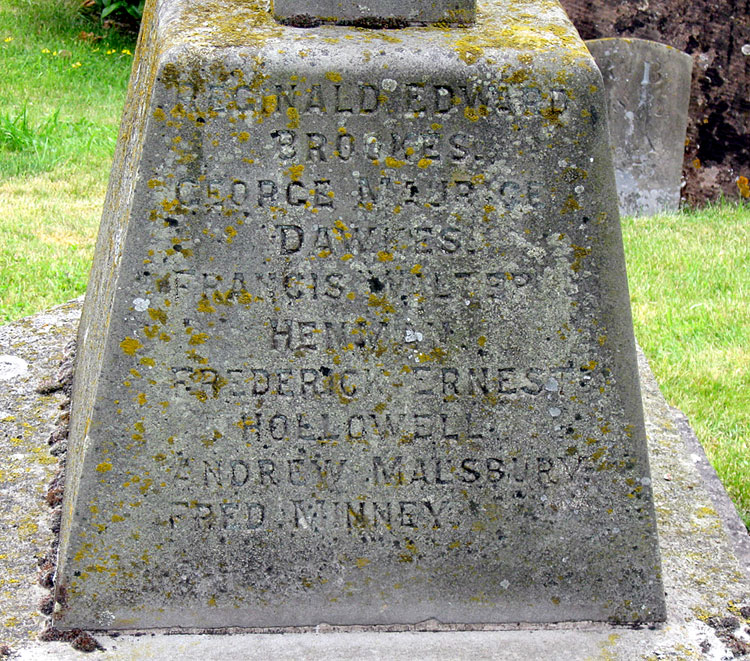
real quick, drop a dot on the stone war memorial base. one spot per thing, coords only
(703, 546)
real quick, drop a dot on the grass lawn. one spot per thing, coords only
(61, 95)
(62, 89)
(689, 279)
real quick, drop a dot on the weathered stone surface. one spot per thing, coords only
(411, 11)
(28, 413)
(648, 89)
(705, 585)
(356, 347)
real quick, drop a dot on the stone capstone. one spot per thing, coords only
(406, 11)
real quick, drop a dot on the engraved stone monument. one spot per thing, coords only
(357, 347)
(648, 90)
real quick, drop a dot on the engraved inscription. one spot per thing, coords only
(412, 100)
(342, 344)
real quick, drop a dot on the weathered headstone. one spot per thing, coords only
(648, 90)
(357, 345)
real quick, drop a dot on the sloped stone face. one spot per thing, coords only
(367, 356)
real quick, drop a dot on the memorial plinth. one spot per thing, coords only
(357, 345)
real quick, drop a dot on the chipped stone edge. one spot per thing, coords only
(725, 508)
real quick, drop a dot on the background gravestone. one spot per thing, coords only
(648, 88)
(717, 36)
(356, 347)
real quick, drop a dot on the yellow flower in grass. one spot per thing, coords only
(75, 65)
(8, 39)
(125, 51)
(46, 50)
(111, 50)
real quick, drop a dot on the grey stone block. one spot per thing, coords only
(409, 11)
(357, 347)
(648, 90)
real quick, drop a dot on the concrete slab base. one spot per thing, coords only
(703, 545)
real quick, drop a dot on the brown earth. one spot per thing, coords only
(716, 33)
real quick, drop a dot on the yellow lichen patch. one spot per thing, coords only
(471, 114)
(246, 298)
(393, 162)
(424, 163)
(230, 232)
(130, 345)
(159, 115)
(482, 340)
(437, 354)
(293, 115)
(170, 205)
(517, 77)
(243, 136)
(527, 37)
(380, 302)
(362, 562)
(104, 467)
(416, 269)
(196, 357)
(467, 51)
(158, 315)
(579, 253)
(295, 172)
(591, 365)
(571, 205)
(385, 256)
(198, 338)
(147, 361)
(333, 76)
(141, 398)
(204, 305)
(270, 103)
